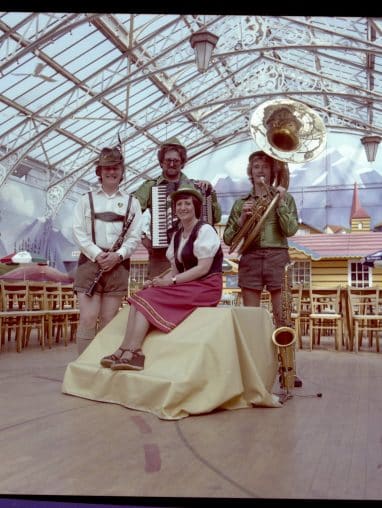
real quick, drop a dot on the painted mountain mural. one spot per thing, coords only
(42, 238)
(323, 190)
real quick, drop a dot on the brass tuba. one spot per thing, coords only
(287, 131)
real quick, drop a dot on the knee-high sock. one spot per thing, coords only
(84, 337)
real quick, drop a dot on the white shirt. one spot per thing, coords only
(206, 244)
(106, 233)
(146, 223)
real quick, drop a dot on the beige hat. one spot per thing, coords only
(110, 157)
(172, 142)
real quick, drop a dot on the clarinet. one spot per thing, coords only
(116, 246)
(91, 288)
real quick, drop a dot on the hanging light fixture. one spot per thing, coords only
(203, 43)
(371, 146)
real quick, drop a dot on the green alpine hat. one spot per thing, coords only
(188, 191)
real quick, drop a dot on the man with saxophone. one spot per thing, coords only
(172, 157)
(262, 221)
(107, 230)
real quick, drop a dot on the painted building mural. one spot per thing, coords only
(323, 190)
(23, 226)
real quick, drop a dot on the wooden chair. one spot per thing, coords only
(325, 317)
(71, 311)
(14, 305)
(296, 295)
(305, 312)
(35, 313)
(54, 314)
(266, 301)
(63, 312)
(365, 315)
(231, 298)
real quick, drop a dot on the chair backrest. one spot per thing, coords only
(14, 295)
(69, 297)
(364, 301)
(325, 300)
(296, 296)
(36, 299)
(53, 295)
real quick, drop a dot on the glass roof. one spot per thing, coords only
(72, 83)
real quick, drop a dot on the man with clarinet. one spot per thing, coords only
(107, 230)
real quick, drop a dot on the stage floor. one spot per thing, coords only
(313, 447)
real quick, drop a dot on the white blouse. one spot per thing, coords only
(206, 244)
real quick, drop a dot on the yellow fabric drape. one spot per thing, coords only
(217, 358)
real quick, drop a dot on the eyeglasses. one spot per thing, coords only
(172, 161)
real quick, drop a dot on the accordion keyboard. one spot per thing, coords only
(159, 216)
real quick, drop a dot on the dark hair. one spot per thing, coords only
(179, 148)
(195, 200)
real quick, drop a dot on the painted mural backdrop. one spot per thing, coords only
(323, 188)
(323, 191)
(24, 226)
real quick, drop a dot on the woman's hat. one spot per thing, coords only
(187, 190)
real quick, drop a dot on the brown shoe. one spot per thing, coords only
(107, 361)
(136, 362)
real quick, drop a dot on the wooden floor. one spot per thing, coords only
(327, 447)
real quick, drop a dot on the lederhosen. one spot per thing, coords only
(106, 217)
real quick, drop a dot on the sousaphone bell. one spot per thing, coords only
(288, 130)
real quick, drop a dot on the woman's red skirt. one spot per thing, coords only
(166, 307)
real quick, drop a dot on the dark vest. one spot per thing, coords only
(188, 258)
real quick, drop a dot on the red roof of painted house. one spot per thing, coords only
(347, 245)
(316, 246)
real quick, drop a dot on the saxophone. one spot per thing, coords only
(284, 337)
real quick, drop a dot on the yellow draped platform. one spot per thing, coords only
(217, 358)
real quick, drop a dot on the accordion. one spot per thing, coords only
(163, 221)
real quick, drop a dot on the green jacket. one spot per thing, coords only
(281, 223)
(143, 194)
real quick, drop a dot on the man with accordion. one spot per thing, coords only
(154, 197)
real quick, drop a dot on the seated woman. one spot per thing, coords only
(194, 280)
